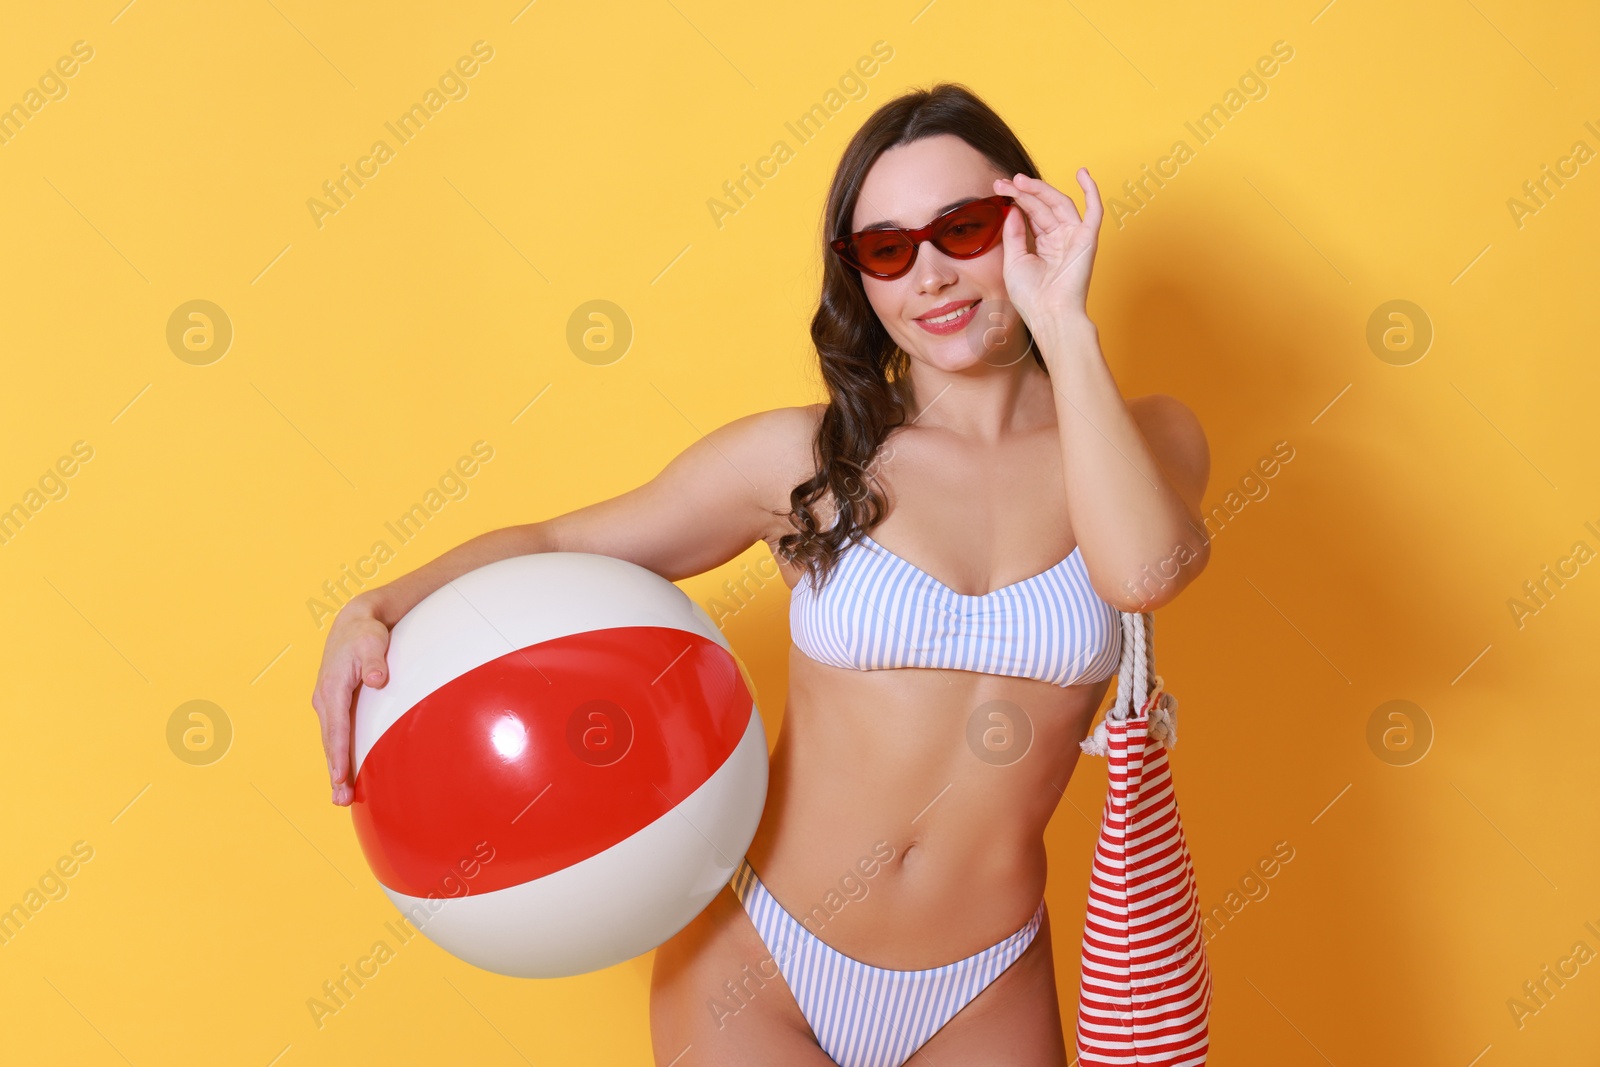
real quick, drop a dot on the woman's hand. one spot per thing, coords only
(353, 656)
(1049, 285)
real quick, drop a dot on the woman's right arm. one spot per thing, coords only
(709, 504)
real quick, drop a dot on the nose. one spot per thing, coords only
(933, 269)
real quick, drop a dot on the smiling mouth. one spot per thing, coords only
(951, 322)
(950, 316)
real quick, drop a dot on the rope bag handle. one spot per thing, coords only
(1138, 686)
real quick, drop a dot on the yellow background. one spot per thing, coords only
(369, 353)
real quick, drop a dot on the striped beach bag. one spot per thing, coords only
(1145, 985)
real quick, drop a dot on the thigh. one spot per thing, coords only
(716, 997)
(1015, 1021)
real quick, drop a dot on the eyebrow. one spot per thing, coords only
(936, 214)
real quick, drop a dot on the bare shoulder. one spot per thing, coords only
(1177, 440)
(782, 444)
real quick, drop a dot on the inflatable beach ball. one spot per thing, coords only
(566, 765)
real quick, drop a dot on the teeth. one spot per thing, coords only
(956, 314)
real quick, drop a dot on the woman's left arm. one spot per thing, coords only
(1135, 471)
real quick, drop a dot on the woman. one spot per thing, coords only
(891, 902)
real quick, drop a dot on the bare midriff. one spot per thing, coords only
(874, 771)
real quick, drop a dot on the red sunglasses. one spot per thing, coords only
(964, 232)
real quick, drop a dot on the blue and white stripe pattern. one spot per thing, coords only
(866, 1016)
(877, 611)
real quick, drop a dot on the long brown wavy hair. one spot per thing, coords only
(866, 373)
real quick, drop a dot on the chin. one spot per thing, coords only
(954, 355)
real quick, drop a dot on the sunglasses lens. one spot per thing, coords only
(881, 252)
(968, 231)
(964, 233)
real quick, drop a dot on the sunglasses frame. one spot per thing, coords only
(844, 246)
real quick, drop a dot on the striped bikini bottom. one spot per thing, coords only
(866, 1016)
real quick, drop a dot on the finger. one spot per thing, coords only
(341, 792)
(340, 703)
(1014, 237)
(334, 743)
(1059, 203)
(374, 670)
(1094, 210)
(319, 702)
(1040, 214)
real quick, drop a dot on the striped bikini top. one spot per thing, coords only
(878, 611)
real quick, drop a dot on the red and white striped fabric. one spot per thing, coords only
(1145, 986)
